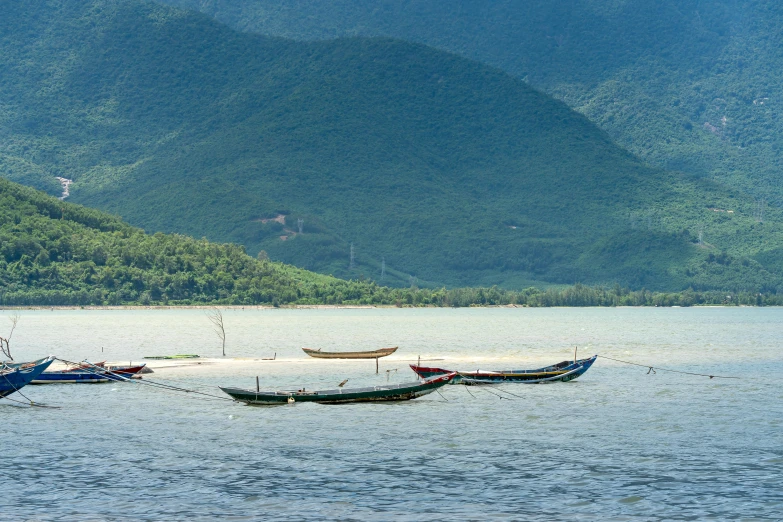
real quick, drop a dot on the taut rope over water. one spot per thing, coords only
(654, 368)
(86, 366)
(30, 401)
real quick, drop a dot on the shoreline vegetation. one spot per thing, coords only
(54, 253)
(384, 297)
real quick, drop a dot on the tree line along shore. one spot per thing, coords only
(54, 253)
(358, 294)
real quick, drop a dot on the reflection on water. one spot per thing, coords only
(616, 443)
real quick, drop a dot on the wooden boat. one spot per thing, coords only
(14, 376)
(87, 373)
(116, 373)
(560, 372)
(71, 377)
(391, 392)
(370, 354)
(129, 372)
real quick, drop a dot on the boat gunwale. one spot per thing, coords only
(575, 368)
(414, 389)
(363, 354)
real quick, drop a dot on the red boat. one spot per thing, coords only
(129, 372)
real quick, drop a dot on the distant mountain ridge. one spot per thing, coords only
(684, 84)
(439, 169)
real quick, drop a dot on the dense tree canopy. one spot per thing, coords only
(56, 253)
(443, 170)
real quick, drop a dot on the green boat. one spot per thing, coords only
(181, 356)
(391, 392)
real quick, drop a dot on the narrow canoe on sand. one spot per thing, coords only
(370, 354)
(560, 372)
(390, 392)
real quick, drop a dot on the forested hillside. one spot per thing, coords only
(685, 84)
(54, 253)
(432, 168)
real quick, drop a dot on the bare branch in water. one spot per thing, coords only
(5, 346)
(215, 317)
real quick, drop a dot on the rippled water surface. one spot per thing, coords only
(618, 443)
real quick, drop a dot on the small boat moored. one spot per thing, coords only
(15, 376)
(560, 372)
(392, 392)
(88, 373)
(115, 372)
(71, 377)
(369, 354)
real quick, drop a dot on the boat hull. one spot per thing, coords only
(15, 376)
(395, 392)
(126, 372)
(114, 373)
(561, 372)
(371, 354)
(71, 377)
(87, 373)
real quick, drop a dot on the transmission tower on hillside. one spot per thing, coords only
(758, 213)
(352, 264)
(383, 268)
(300, 224)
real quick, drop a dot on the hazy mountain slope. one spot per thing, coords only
(685, 84)
(55, 253)
(449, 170)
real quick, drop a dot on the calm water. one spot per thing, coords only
(615, 444)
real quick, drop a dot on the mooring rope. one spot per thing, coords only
(146, 382)
(16, 389)
(652, 369)
(18, 402)
(493, 393)
(31, 402)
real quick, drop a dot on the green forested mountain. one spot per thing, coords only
(440, 169)
(685, 84)
(56, 253)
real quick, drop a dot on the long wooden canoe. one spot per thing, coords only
(561, 372)
(389, 392)
(370, 354)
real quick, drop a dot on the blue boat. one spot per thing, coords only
(15, 376)
(72, 377)
(89, 373)
(561, 372)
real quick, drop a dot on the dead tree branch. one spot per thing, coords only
(5, 342)
(215, 317)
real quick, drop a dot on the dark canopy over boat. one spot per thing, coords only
(370, 354)
(560, 372)
(391, 392)
(14, 376)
